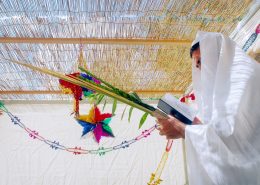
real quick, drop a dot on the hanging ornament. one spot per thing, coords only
(251, 39)
(155, 178)
(69, 88)
(77, 91)
(188, 97)
(81, 62)
(97, 123)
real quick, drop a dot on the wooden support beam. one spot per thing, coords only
(59, 92)
(30, 92)
(94, 41)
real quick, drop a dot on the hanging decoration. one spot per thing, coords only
(90, 122)
(96, 122)
(251, 39)
(75, 150)
(188, 97)
(155, 178)
(78, 91)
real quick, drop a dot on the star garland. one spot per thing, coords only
(75, 150)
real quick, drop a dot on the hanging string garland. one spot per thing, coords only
(251, 39)
(155, 178)
(75, 150)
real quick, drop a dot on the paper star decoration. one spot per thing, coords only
(96, 122)
(77, 91)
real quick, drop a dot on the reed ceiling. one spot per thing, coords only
(151, 69)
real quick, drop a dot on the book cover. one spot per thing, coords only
(172, 106)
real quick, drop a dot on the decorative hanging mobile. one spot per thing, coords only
(94, 121)
(91, 121)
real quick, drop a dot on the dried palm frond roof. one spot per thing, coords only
(140, 46)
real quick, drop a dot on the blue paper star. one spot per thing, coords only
(87, 127)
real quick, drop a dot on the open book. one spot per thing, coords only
(172, 106)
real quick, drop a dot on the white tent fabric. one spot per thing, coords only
(32, 162)
(225, 149)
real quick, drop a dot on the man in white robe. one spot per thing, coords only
(225, 148)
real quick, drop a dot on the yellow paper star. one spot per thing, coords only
(90, 117)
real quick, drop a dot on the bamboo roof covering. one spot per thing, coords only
(136, 45)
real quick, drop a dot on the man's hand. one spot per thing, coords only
(171, 128)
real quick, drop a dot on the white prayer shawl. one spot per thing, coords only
(225, 149)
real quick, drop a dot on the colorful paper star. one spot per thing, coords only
(77, 91)
(96, 122)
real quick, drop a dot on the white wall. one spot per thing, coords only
(25, 161)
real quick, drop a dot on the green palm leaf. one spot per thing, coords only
(114, 106)
(123, 112)
(100, 98)
(144, 117)
(130, 113)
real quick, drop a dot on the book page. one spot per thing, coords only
(184, 109)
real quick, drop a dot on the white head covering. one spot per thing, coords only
(203, 80)
(226, 149)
